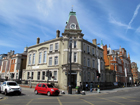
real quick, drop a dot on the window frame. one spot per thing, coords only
(51, 47)
(30, 57)
(50, 60)
(44, 56)
(56, 46)
(40, 58)
(56, 60)
(33, 59)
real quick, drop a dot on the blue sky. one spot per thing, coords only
(116, 22)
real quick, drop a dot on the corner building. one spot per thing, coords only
(54, 55)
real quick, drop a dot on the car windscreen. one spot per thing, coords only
(12, 84)
(50, 86)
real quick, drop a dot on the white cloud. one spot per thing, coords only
(138, 30)
(7, 44)
(118, 23)
(134, 15)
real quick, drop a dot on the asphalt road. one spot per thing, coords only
(121, 97)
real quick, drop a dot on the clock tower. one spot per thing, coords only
(72, 22)
(72, 34)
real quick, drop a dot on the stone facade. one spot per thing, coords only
(54, 56)
(12, 65)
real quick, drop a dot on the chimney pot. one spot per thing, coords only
(38, 40)
(57, 34)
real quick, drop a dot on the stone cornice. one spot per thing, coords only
(47, 42)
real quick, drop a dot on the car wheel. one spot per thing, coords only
(19, 93)
(5, 92)
(36, 92)
(49, 94)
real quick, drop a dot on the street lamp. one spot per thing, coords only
(98, 74)
(70, 88)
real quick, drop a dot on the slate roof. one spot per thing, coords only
(72, 19)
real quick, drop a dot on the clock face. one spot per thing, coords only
(73, 26)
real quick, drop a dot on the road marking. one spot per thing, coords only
(29, 102)
(110, 100)
(59, 101)
(87, 102)
(4, 98)
(130, 99)
(44, 98)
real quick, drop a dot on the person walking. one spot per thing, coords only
(86, 86)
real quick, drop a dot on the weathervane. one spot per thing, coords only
(72, 8)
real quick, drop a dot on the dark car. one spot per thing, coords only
(45, 88)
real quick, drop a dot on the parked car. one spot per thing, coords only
(45, 88)
(10, 87)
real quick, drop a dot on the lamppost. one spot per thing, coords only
(70, 88)
(98, 74)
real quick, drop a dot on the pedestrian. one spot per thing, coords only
(86, 86)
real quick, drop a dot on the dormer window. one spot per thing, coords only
(72, 26)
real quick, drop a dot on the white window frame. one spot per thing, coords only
(44, 56)
(51, 47)
(56, 46)
(33, 61)
(55, 76)
(30, 56)
(56, 60)
(50, 62)
(40, 57)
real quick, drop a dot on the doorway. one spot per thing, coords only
(73, 80)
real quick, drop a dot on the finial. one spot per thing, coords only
(109, 45)
(101, 42)
(72, 8)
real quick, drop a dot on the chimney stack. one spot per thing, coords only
(94, 41)
(38, 40)
(57, 34)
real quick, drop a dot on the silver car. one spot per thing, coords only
(10, 87)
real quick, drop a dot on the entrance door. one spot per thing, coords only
(73, 80)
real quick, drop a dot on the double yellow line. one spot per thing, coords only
(4, 99)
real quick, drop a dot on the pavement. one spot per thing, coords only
(101, 91)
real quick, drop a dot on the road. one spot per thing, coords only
(121, 97)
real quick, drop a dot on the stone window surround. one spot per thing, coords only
(42, 55)
(53, 56)
(31, 52)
